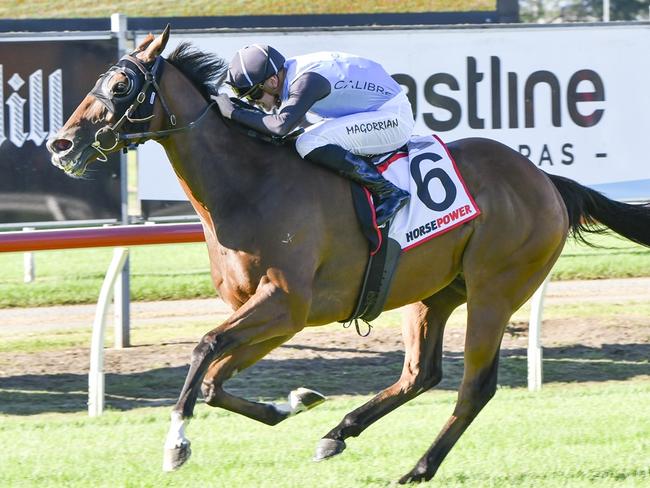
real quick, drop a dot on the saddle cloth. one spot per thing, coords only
(439, 201)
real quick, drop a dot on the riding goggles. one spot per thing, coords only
(253, 93)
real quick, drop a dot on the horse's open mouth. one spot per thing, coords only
(76, 166)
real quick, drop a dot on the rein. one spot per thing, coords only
(108, 137)
(136, 138)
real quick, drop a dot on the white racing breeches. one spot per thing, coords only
(364, 133)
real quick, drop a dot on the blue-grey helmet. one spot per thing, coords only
(251, 67)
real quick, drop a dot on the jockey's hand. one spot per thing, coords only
(225, 105)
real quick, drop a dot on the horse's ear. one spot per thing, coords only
(144, 44)
(156, 46)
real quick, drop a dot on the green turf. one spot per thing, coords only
(162, 8)
(182, 271)
(75, 276)
(595, 435)
(616, 258)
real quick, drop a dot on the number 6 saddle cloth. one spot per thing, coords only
(439, 201)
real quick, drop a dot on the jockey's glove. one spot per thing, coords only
(225, 105)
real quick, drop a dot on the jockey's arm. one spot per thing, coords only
(306, 90)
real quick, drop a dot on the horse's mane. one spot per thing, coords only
(205, 70)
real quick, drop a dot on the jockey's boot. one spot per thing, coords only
(361, 171)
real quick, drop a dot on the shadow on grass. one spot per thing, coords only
(271, 379)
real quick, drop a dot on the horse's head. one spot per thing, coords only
(122, 97)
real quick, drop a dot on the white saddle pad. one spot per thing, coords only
(439, 198)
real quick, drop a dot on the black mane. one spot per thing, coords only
(205, 70)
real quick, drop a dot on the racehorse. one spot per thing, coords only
(287, 253)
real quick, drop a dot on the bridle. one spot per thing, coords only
(129, 100)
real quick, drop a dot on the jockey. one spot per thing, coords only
(363, 111)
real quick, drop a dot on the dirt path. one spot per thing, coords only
(330, 358)
(17, 320)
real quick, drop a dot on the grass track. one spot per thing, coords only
(567, 435)
(162, 8)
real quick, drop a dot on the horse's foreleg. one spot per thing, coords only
(422, 329)
(268, 413)
(269, 313)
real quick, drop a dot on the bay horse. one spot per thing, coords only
(287, 253)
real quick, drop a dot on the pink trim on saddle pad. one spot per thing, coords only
(371, 204)
(381, 168)
(395, 157)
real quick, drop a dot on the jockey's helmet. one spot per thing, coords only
(251, 67)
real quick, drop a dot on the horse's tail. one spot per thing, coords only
(590, 210)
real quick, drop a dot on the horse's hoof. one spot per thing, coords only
(174, 458)
(303, 399)
(327, 448)
(413, 477)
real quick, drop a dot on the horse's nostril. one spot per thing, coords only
(61, 145)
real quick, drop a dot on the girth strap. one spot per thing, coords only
(376, 283)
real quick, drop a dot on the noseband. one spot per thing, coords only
(130, 100)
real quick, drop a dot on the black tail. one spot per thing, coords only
(590, 210)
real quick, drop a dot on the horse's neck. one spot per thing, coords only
(225, 174)
(223, 171)
(200, 156)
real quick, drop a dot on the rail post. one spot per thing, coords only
(122, 291)
(28, 262)
(534, 338)
(96, 372)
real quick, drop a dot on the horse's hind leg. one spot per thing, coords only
(422, 329)
(494, 292)
(484, 332)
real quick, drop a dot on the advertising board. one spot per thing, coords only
(42, 80)
(573, 99)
